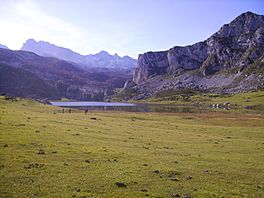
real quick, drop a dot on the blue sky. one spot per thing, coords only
(126, 27)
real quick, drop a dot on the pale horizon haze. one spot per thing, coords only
(125, 27)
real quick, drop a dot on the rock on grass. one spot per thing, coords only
(41, 152)
(175, 194)
(174, 179)
(121, 184)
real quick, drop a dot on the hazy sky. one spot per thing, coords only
(127, 27)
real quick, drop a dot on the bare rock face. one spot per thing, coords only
(150, 64)
(188, 58)
(236, 46)
(129, 84)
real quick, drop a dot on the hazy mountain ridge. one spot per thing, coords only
(102, 59)
(67, 79)
(3, 46)
(231, 60)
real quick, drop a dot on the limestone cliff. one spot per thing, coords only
(235, 46)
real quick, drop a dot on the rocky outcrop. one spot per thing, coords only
(236, 46)
(129, 84)
(150, 64)
(187, 58)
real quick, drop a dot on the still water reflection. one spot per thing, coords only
(131, 107)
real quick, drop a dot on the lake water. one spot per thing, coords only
(132, 107)
(93, 104)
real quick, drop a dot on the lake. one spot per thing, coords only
(131, 107)
(92, 104)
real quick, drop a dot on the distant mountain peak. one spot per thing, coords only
(3, 46)
(103, 53)
(102, 59)
(31, 41)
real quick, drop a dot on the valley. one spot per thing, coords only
(186, 121)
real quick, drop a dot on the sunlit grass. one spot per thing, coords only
(244, 102)
(155, 154)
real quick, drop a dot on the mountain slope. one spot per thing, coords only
(68, 79)
(217, 64)
(19, 82)
(101, 59)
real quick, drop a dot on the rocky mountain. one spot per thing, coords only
(3, 46)
(102, 59)
(231, 60)
(29, 75)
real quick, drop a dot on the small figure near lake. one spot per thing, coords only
(62, 110)
(86, 111)
(69, 110)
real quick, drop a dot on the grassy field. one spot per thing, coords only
(253, 101)
(45, 153)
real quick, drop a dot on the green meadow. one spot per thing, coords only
(47, 153)
(254, 100)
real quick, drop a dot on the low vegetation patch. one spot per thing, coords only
(242, 102)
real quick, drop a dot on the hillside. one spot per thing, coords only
(19, 82)
(68, 79)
